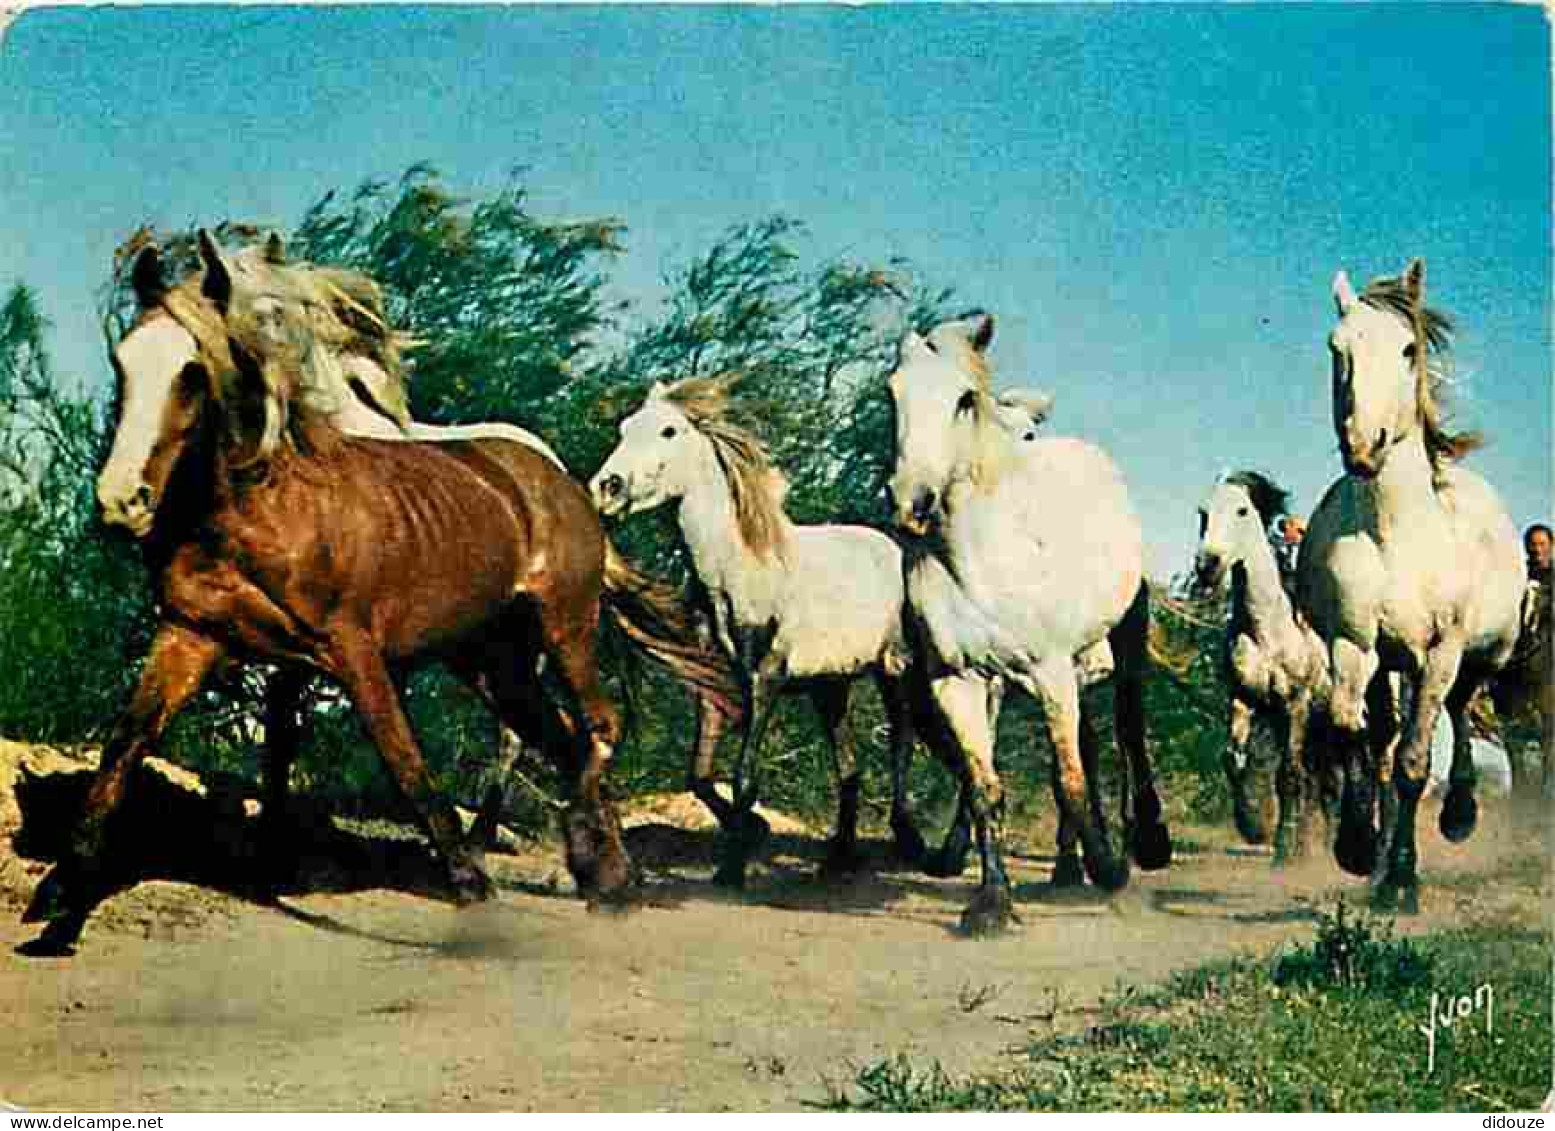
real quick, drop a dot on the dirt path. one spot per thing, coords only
(182, 999)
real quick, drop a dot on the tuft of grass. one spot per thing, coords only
(1359, 954)
(1331, 1026)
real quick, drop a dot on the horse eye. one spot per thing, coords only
(967, 402)
(1409, 351)
(1241, 512)
(1203, 521)
(669, 432)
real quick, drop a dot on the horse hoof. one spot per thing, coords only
(1250, 827)
(1460, 813)
(1068, 872)
(991, 912)
(1110, 873)
(907, 842)
(471, 886)
(1355, 850)
(1152, 847)
(45, 947)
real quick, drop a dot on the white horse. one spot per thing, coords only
(1032, 555)
(1276, 666)
(812, 607)
(1411, 565)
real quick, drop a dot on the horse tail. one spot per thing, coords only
(657, 620)
(1131, 639)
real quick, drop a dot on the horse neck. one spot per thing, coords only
(1404, 486)
(994, 451)
(723, 560)
(1261, 599)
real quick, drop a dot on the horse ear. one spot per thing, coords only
(217, 285)
(1344, 293)
(275, 250)
(148, 277)
(981, 332)
(1414, 281)
(657, 390)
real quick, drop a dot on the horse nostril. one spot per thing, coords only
(143, 496)
(923, 504)
(612, 485)
(1382, 438)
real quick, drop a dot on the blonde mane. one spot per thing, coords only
(297, 325)
(756, 486)
(1433, 342)
(300, 325)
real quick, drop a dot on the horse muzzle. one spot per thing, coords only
(919, 514)
(1208, 571)
(134, 510)
(1363, 458)
(609, 493)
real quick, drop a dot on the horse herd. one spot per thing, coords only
(291, 512)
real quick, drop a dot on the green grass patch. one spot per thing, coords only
(1334, 1025)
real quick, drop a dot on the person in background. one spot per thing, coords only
(1538, 544)
(1289, 530)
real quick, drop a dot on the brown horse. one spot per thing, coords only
(274, 537)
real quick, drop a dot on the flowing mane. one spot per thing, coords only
(758, 488)
(1433, 332)
(332, 320)
(1269, 498)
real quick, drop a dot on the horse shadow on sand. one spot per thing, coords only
(165, 831)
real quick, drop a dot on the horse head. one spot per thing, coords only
(655, 460)
(1234, 525)
(1388, 372)
(940, 388)
(175, 364)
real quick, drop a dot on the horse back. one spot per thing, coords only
(415, 545)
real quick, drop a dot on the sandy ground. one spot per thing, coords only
(387, 998)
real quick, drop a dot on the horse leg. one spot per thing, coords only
(596, 849)
(1068, 871)
(1460, 811)
(1400, 886)
(831, 698)
(907, 840)
(1292, 840)
(963, 703)
(483, 830)
(711, 723)
(747, 830)
(283, 737)
(1249, 811)
(1355, 848)
(1149, 840)
(949, 860)
(1055, 684)
(177, 665)
(372, 691)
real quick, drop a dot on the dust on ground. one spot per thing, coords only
(378, 995)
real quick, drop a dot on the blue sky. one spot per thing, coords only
(1151, 199)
